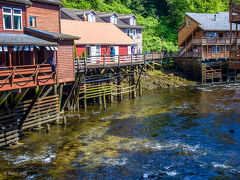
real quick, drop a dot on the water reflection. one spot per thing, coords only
(190, 133)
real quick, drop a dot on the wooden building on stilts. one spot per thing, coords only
(206, 42)
(35, 57)
(40, 75)
(234, 59)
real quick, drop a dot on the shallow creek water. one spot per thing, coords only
(187, 133)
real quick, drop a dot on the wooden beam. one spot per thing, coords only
(4, 97)
(46, 93)
(19, 98)
(69, 95)
(10, 57)
(34, 100)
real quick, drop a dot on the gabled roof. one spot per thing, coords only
(104, 14)
(50, 35)
(72, 13)
(57, 2)
(23, 40)
(207, 22)
(126, 16)
(18, 1)
(77, 15)
(94, 33)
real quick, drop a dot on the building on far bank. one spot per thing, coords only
(206, 42)
(126, 23)
(206, 36)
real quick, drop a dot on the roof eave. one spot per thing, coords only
(12, 2)
(53, 3)
(109, 44)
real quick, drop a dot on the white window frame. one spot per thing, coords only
(188, 23)
(17, 15)
(113, 19)
(11, 14)
(127, 32)
(132, 21)
(91, 17)
(99, 49)
(134, 34)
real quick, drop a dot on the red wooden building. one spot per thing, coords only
(33, 52)
(97, 38)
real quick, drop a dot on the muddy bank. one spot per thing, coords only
(158, 79)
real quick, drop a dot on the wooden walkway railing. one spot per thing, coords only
(13, 77)
(90, 62)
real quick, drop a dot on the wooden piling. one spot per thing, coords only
(85, 97)
(47, 128)
(64, 121)
(140, 87)
(119, 95)
(104, 100)
(133, 87)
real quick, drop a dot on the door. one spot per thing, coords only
(93, 54)
(129, 49)
(116, 52)
(88, 51)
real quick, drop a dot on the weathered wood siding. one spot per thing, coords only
(22, 7)
(186, 31)
(65, 61)
(123, 49)
(47, 16)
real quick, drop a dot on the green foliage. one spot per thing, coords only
(160, 18)
(75, 51)
(83, 54)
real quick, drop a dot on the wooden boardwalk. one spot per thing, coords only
(105, 61)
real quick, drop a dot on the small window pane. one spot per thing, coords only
(17, 23)
(7, 21)
(128, 32)
(33, 21)
(15, 11)
(5, 10)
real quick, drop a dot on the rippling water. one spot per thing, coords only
(189, 133)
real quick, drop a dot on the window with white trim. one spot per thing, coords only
(7, 18)
(128, 32)
(12, 18)
(91, 17)
(17, 19)
(113, 19)
(98, 50)
(134, 33)
(132, 21)
(189, 23)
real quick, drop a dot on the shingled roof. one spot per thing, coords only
(23, 39)
(57, 2)
(17, 1)
(94, 33)
(210, 23)
(50, 35)
(75, 14)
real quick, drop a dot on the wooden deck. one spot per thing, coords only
(15, 77)
(104, 61)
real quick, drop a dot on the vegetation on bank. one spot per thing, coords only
(158, 79)
(161, 19)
